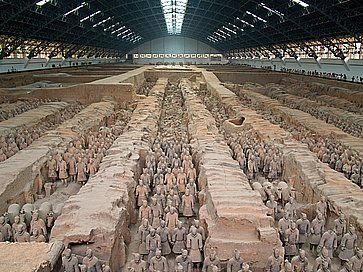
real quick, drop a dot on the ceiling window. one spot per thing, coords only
(174, 12)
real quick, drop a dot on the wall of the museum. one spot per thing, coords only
(326, 65)
(13, 65)
(170, 49)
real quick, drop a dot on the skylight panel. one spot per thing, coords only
(103, 21)
(90, 16)
(117, 30)
(245, 22)
(256, 17)
(230, 30)
(301, 3)
(174, 12)
(75, 9)
(42, 3)
(274, 11)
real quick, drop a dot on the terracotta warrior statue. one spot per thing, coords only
(91, 262)
(235, 264)
(63, 174)
(165, 238)
(348, 245)
(179, 238)
(275, 262)
(329, 241)
(69, 261)
(137, 264)
(184, 261)
(158, 263)
(300, 263)
(187, 206)
(195, 246)
(153, 242)
(210, 261)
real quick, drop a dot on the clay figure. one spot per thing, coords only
(329, 241)
(91, 262)
(235, 264)
(69, 261)
(158, 263)
(184, 261)
(275, 262)
(153, 242)
(348, 245)
(165, 238)
(210, 261)
(137, 264)
(300, 263)
(179, 238)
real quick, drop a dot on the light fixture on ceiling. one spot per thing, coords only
(174, 12)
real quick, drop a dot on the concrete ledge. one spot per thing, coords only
(45, 112)
(31, 257)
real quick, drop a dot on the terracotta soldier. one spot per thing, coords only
(329, 241)
(179, 238)
(145, 211)
(187, 204)
(156, 213)
(340, 227)
(171, 219)
(141, 193)
(303, 225)
(145, 177)
(199, 228)
(181, 180)
(291, 241)
(2, 155)
(158, 263)
(91, 167)
(275, 262)
(211, 260)
(143, 232)
(160, 197)
(81, 171)
(22, 235)
(300, 263)
(63, 174)
(69, 261)
(137, 264)
(91, 262)
(195, 246)
(271, 204)
(357, 260)
(290, 208)
(283, 225)
(5, 229)
(37, 237)
(52, 168)
(185, 261)
(316, 231)
(235, 264)
(191, 173)
(323, 260)
(38, 223)
(169, 179)
(348, 245)
(16, 226)
(192, 188)
(153, 242)
(165, 238)
(72, 168)
(322, 206)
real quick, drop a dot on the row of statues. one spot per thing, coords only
(83, 156)
(280, 198)
(146, 86)
(89, 263)
(9, 110)
(13, 142)
(328, 149)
